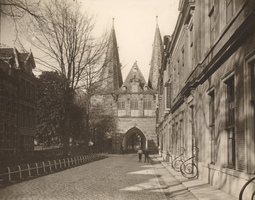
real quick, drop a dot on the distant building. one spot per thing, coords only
(18, 101)
(206, 100)
(132, 102)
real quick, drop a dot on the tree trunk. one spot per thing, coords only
(66, 133)
(68, 100)
(86, 132)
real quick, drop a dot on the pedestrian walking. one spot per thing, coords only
(140, 152)
(146, 155)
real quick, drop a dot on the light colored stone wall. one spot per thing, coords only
(215, 63)
(146, 125)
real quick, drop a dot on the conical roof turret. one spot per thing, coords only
(156, 57)
(111, 73)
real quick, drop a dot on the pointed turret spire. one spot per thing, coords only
(111, 74)
(155, 58)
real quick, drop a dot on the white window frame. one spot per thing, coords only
(224, 135)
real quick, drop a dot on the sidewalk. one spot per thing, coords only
(199, 188)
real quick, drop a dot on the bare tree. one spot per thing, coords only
(17, 9)
(65, 37)
(12, 12)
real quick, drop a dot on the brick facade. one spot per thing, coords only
(18, 105)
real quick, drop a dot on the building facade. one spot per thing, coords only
(206, 94)
(18, 102)
(133, 102)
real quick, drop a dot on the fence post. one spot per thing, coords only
(44, 167)
(64, 163)
(36, 165)
(50, 166)
(29, 172)
(60, 166)
(68, 162)
(55, 163)
(20, 175)
(9, 173)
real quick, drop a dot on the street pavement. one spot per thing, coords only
(118, 177)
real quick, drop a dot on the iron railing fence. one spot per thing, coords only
(24, 171)
(243, 188)
(177, 162)
(190, 169)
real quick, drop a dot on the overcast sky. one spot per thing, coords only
(134, 22)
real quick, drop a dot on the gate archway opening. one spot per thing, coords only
(133, 139)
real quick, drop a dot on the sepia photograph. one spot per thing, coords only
(127, 99)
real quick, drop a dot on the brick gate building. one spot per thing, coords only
(133, 102)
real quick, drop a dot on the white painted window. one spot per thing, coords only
(121, 113)
(148, 113)
(134, 113)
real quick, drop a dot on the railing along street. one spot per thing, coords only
(20, 172)
(243, 188)
(190, 169)
(177, 162)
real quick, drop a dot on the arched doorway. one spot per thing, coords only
(133, 139)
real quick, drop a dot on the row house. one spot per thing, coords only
(18, 102)
(206, 91)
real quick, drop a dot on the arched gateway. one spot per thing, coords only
(133, 139)
(132, 102)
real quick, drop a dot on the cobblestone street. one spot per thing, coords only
(117, 177)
